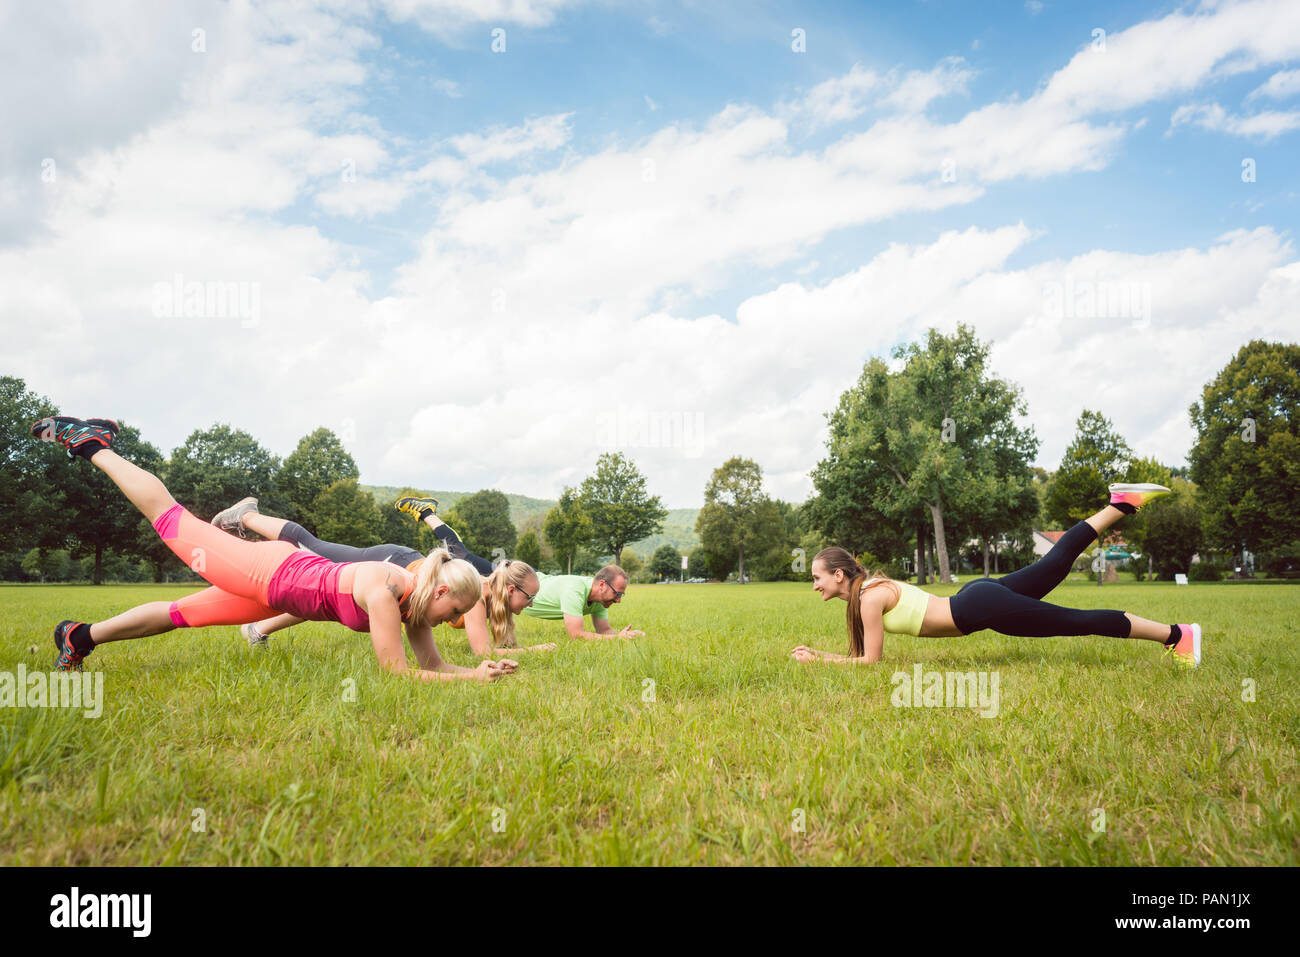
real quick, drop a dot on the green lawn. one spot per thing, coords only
(566, 763)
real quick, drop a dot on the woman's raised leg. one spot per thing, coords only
(1036, 580)
(145, 490)
(268, 526)
(1042, 576)
(454, 545)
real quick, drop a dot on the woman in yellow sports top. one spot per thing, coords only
(1010, 605)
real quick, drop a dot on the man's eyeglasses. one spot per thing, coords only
(617, 594)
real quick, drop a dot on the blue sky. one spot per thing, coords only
(648, 227)
(602, 62)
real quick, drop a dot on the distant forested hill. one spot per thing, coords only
(679, 531)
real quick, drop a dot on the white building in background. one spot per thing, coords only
(1043, 542)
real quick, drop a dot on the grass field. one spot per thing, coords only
(209, 753)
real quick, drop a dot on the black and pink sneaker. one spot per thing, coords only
(69, 658)
(81, 437)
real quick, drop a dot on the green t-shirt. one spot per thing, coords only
(560, 595)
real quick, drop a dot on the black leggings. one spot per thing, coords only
(458, 550)
(1011, 604)
(397, 554)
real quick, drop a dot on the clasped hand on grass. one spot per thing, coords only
(489, 670)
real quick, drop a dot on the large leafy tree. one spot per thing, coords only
(483, 522)
(614, 497)
(1097, 456)
(217, 467)
(1246, 460)
(914, 445)
(1171, 529)
(845, 509)
(97, 517)
(567, 528)
(737, 514)
(398, 528)
(317, 463)
(348, 514)
(63, 505)
(529, 549)
(666, 561)
(773, 553)
(994, 505)
(1135, 528)
(27, 504)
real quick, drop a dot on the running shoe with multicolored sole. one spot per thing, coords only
(416, 507)
(78, 436)
(69, 659)
(1136, 495)
(1186, 651)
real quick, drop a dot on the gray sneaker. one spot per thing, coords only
(255, 638)
(229, 520)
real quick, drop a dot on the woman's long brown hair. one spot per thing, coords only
(835, 559)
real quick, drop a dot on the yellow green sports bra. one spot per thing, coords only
(904, 618)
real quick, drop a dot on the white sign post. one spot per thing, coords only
(683, 568)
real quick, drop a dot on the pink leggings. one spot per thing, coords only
(240, 571)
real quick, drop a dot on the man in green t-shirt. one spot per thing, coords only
(572, 596)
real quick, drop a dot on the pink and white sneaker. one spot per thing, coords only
(1187, 650)
(1135, 495)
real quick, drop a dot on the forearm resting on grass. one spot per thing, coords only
(573, 625)
(812, 654)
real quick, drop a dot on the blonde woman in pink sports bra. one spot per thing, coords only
(255, 580)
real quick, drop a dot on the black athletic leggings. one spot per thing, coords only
(458, 550)
(1011, 604)
(397, 554)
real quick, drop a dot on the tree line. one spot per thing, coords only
(929, 453)
(66, 521)
(926, 470)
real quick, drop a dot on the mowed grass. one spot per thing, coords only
(566, 762)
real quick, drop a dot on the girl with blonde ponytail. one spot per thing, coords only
(440, 569)
(490, 624)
